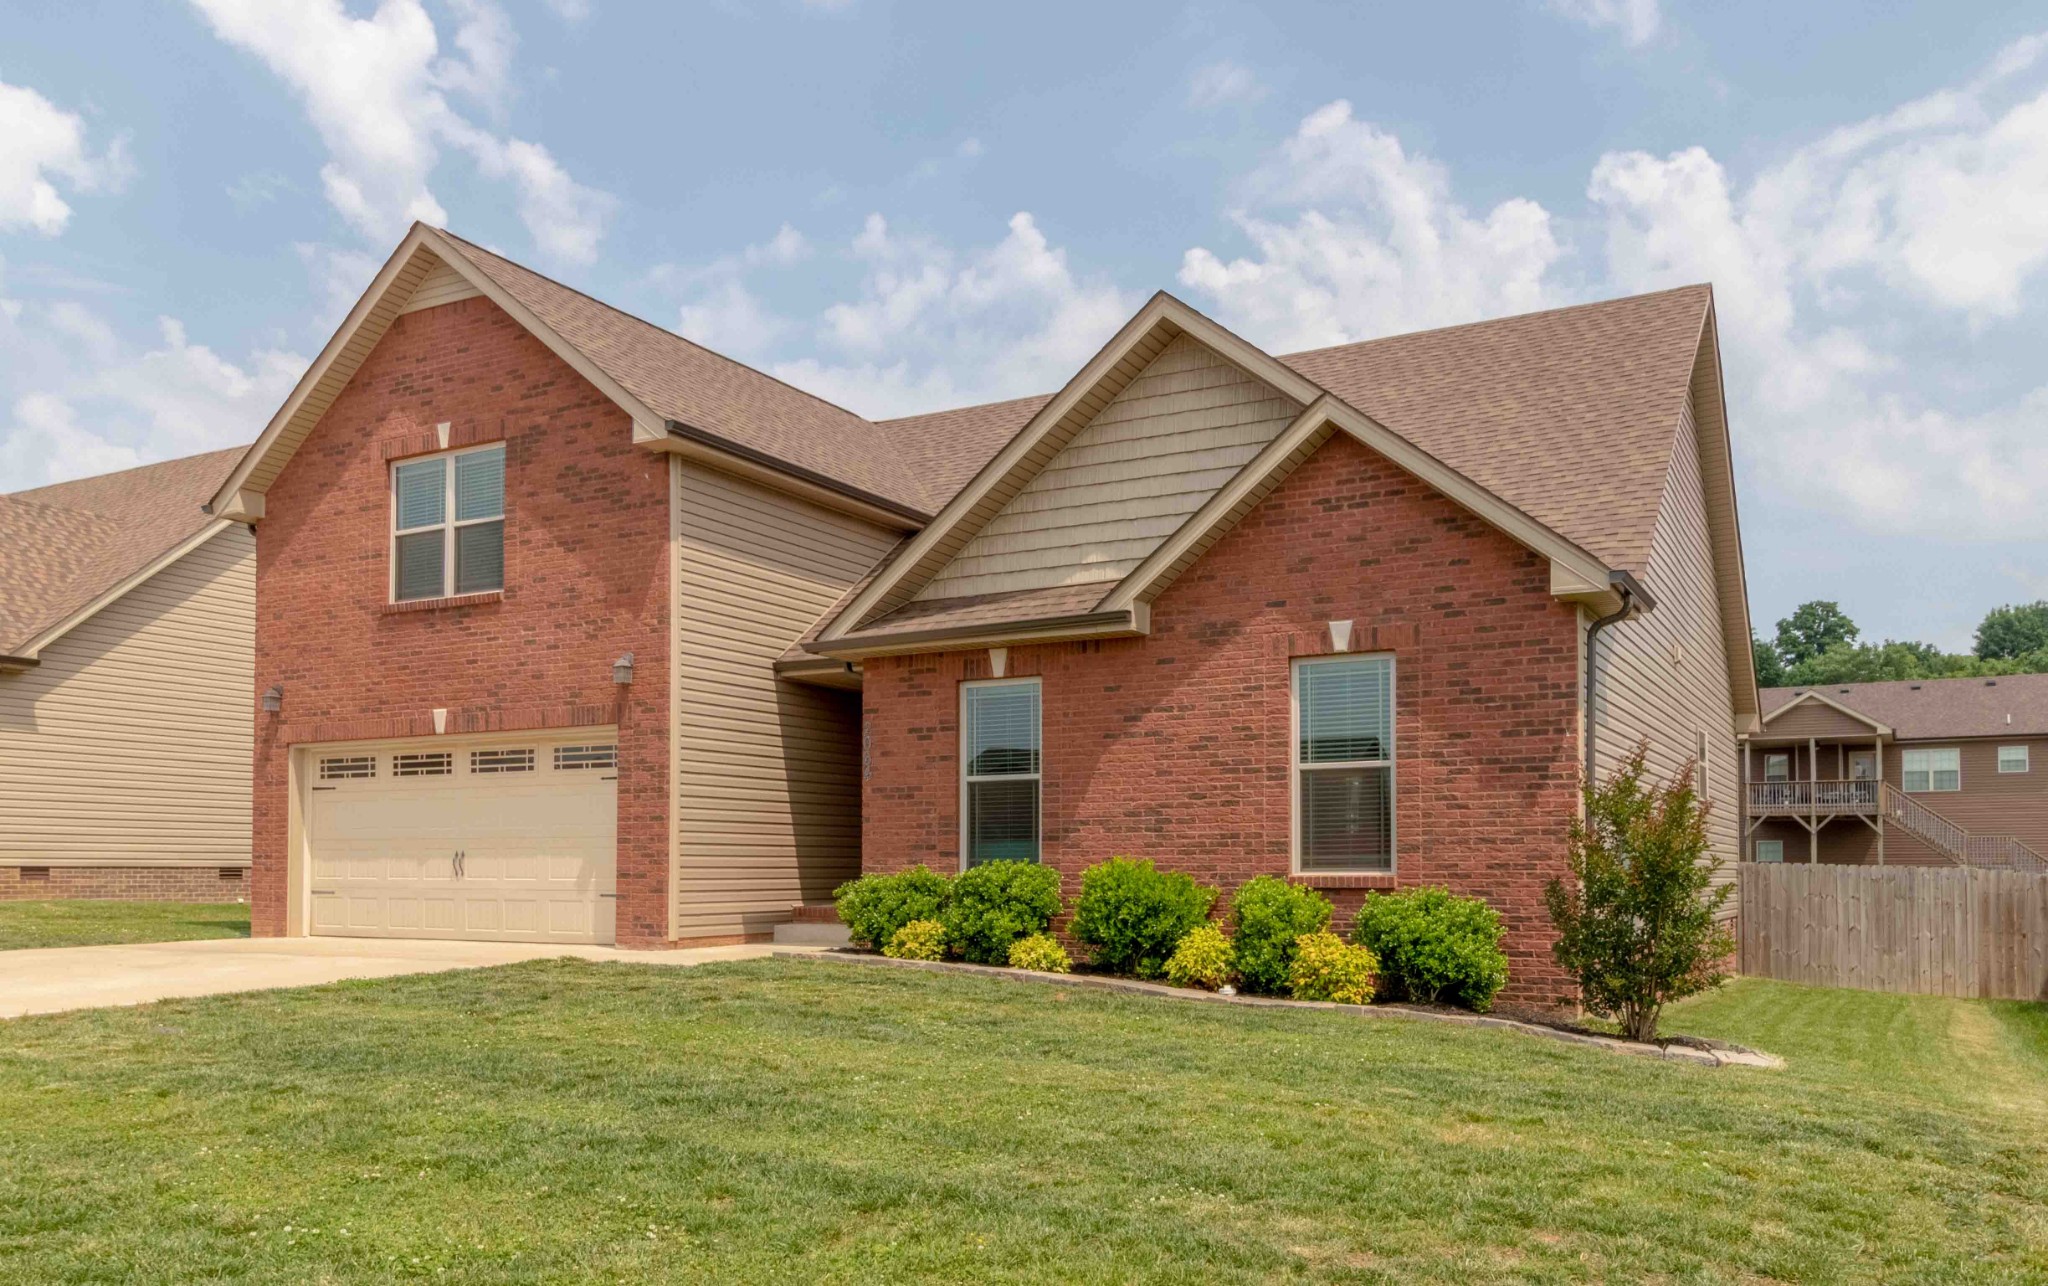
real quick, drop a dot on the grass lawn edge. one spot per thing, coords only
(1675, 1053)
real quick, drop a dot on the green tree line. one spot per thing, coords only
(1818, 644)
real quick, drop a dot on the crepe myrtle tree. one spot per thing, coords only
(1639, 922)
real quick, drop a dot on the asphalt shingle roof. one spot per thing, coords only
(63, 546)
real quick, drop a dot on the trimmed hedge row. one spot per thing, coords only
(1425, 944)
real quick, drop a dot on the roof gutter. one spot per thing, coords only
(1634, 601)
(8, 663)
(761, 459)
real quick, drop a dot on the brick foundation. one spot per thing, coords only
(1175, 746)
(586, 579)
(124, 883)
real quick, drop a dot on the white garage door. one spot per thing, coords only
(510, 840)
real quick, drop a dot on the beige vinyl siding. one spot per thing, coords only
(1175, 434)
(441, 285)
(767, 770)
(131, 743)
(1663, 677)
(1815, 719)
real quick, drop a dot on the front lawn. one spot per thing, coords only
(82, 923)
(802, 1121)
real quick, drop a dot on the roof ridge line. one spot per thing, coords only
(1505, 317)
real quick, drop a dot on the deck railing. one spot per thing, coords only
(1813, 796)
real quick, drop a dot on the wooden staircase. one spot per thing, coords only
(2004, 852)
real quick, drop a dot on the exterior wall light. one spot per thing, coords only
(273, 698)
(622, 669)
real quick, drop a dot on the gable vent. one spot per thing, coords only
(345, 767)
(434, 763)
(501, 761)
(577, 758)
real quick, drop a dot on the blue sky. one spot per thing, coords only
(907, 206)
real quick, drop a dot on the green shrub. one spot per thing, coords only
(918, 940)
(1434, 947)
(1270, 914)
(1203, 959)
(995, 904)
(1639, 924)
(1328, 968)
(1134, 914)
(873, 907)
(1040, 952)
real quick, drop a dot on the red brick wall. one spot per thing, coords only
(124, 883)
(586, 539)
(1174, 746)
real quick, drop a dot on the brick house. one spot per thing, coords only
(574, 629)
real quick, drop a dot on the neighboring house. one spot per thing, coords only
(578, 631)
(1921, 772)
(127, 641)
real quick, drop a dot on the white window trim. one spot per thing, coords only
(1777, 754)
(1932, 789)
(967, 779)
(1294, 765)
(447, 525)
(2026, 760)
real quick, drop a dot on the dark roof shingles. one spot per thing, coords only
(1917, 709)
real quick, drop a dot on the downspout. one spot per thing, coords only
(1632, 596)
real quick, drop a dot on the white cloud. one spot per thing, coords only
(40, 145)
(378, 90)
(932, 327)
(1354, 237)
(721, 312)
(1224, 82)
(1833, 269)
(81, 401)
(571, 10)
(1637, 21)
(339, 279)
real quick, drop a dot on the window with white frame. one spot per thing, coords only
(2012, 759)
(1932, 770)
(1706, 787)
(999, 771)
(1344, 764)
(1777, 767)
(1770, 850)
(448, 524)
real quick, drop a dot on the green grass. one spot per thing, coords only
(81, 923)
(790, 1121)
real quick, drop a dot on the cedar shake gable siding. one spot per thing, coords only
(586, 579)
(1175, 746)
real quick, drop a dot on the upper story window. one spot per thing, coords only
(1932, 770)
(448, 524)
(2012, 759)
(1344, 764)
(999, 771)
(1777, 767)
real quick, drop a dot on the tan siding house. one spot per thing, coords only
(126, 695)
(1930, 772)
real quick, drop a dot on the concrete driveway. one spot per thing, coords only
(55, 979)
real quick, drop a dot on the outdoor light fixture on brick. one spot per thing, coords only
(273, 698)
(622, 669)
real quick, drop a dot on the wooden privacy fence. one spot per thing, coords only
(1938, 931)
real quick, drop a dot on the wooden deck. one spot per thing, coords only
(1803, 798)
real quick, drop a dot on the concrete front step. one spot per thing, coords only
(802, 934)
